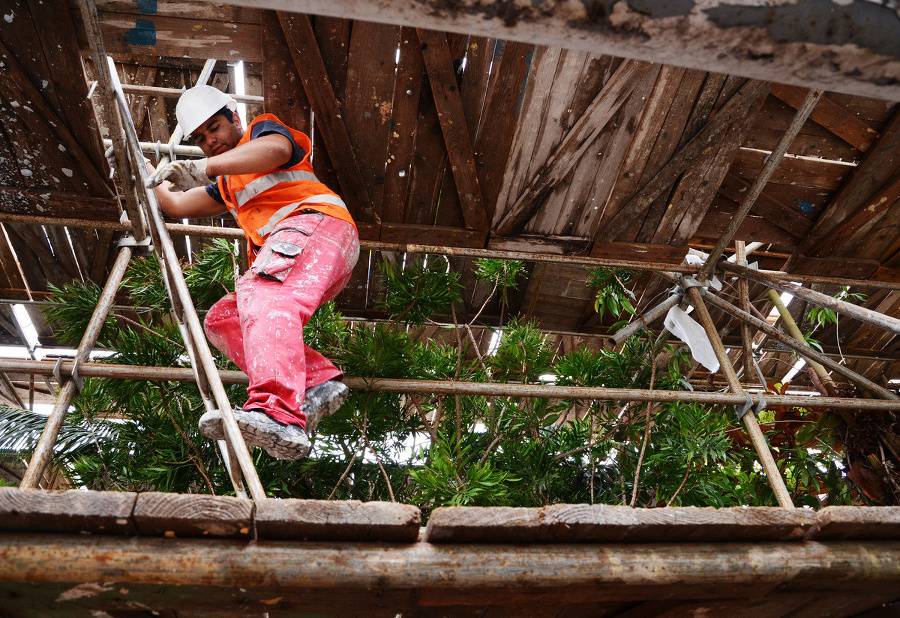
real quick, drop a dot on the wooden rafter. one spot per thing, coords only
(16, 86)
(436, 54)
(311, 68)
(771, 206)
(283, 92)
(831, 116)
(501, 111)
(872, 174)
(862, 219)
(368, 100)
(735, 109)
(58, 203)
(614, 93)
(696, 189)
(407, 90)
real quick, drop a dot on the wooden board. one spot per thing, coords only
(317, 85)
(193, 515)
(323, 520)
(439, 65)
(176, 33)
(75, 511)
(431, 235)
(282, 89)
(856, 523)
(807, 172)
(584, 523)
(512, 62)
(574, 141)
(407, 87)
(368, 98)
(831, 116)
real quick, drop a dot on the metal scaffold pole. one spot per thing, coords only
(205, 370)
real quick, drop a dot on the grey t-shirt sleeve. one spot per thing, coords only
(265, 127)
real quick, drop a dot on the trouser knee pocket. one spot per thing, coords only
(279, 255)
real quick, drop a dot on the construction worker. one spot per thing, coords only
(303, 246)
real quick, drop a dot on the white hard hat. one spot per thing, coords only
(198, 104)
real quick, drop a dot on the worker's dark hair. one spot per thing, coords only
(226, 113)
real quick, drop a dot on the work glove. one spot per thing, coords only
(111, 159)
(184, 174)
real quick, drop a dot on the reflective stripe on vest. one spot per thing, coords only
(263, 183)
(284, 211)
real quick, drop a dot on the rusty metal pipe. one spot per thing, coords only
(772, 162)
(446, 387)
(98, 55)
(800, 347)
(749, 419)
(817, 298)
(525, 256)
(646, 319)
(743, 287)
(174, 93)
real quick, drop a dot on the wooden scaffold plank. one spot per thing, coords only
(350, 520)
(597, 523)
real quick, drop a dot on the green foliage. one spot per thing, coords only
(327, 331)
(212, 274)
(419, 291)
(20, 430)
(820, 316)
(140, 435)
(145, 285)
(70, 311)
(500, 274)
(612, 295)
(523, 355)
(456, 477)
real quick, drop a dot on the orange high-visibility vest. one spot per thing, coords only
(260, 201)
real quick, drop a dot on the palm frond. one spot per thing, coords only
(21, 429)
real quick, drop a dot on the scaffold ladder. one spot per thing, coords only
(143, 210)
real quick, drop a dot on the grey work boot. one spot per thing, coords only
(323, 400)
(259, 429)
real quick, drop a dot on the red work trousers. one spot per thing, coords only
(306, 261)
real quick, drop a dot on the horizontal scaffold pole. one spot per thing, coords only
(437, 387)
(294, 564)
(207, 231)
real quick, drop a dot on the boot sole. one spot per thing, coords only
(327, 409)
(255, 436)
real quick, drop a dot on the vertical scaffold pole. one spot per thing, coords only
(749, 419)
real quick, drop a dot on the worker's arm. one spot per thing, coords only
(261, 154)
(191, 204)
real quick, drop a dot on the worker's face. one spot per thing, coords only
(217, 135)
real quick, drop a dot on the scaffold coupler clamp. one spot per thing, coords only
(747, 406)
(143, 246)
(686, 282)
(76, 377)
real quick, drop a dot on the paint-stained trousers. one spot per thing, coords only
(306, 261)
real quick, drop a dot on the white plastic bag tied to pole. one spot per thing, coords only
(688, 330)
